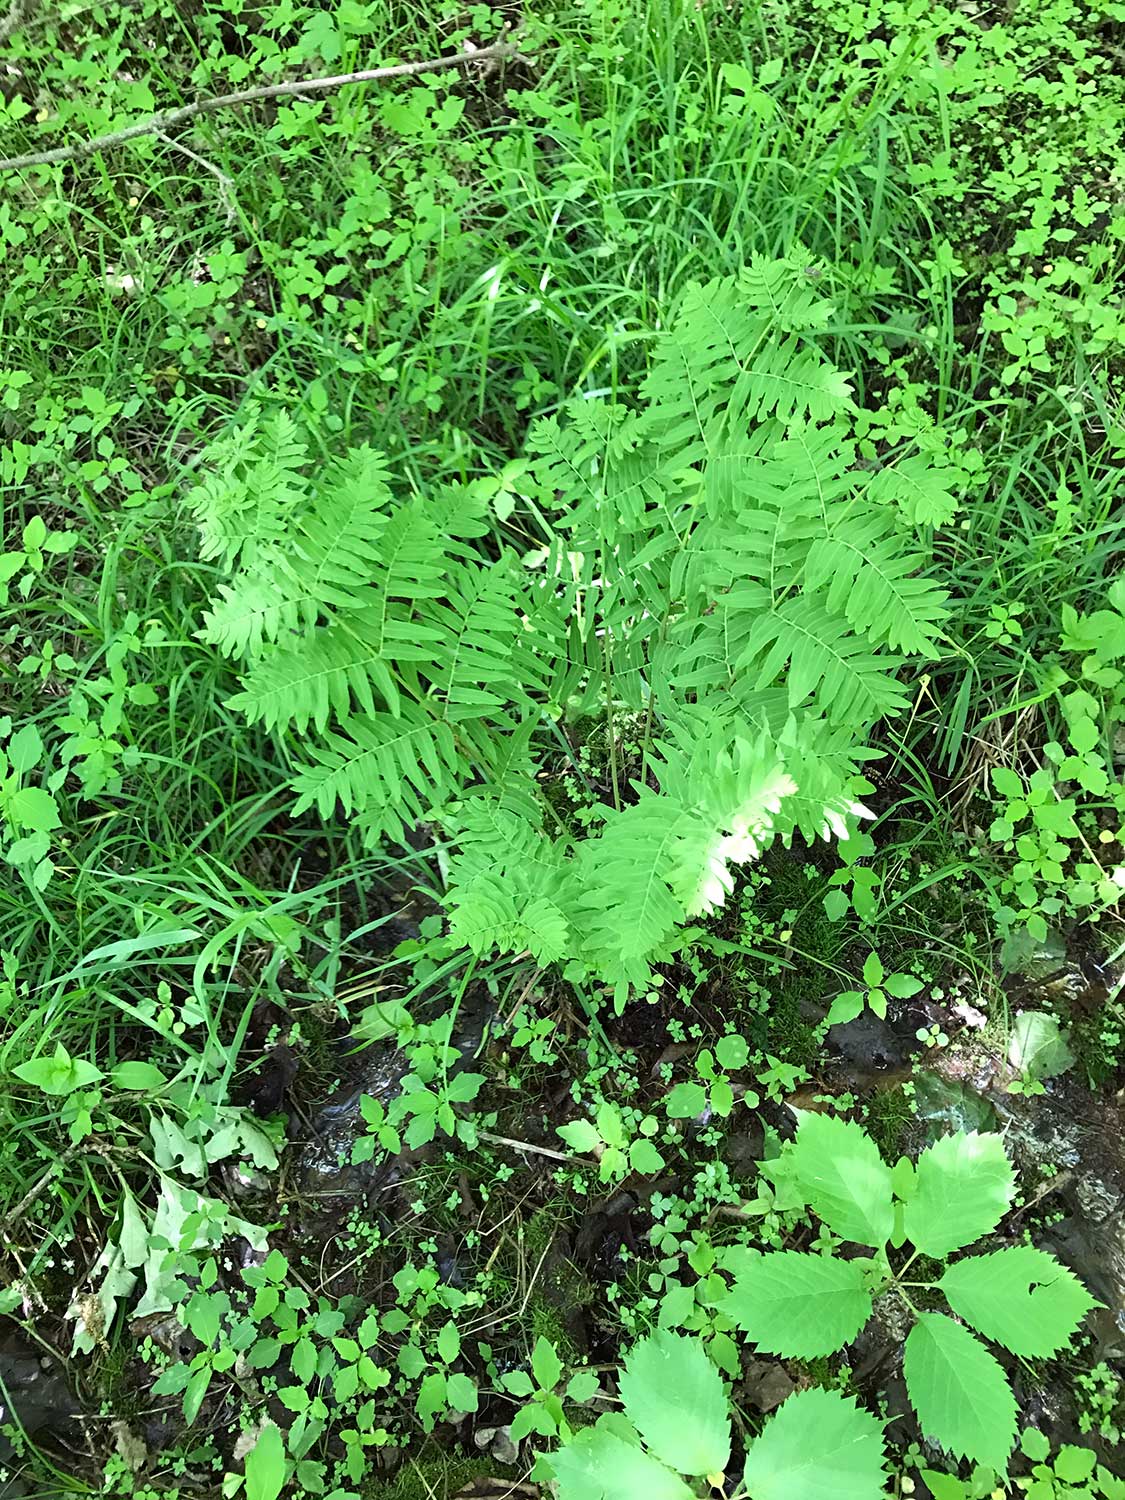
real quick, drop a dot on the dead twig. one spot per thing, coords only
(17, 14)
(226, 184)
(173, 117)
(13, 1217)
(506, 1140)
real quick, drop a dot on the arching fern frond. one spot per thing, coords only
(713, 575)
(393, 771)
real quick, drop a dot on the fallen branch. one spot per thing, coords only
(159, 124)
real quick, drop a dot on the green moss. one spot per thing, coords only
(791, 1037)
(432, 1475)
(888, 1116)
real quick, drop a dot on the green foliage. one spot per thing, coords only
(427, 269)
(821, 1445)
(607, 1136)
(1063, 820)
(958, 1390)
(1075, 1474)
(806, 1304)
(789, 1299)
(675, 1405)
(850, 1004)
(426, 684)
(673, 1395)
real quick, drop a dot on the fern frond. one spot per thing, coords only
(866, 575)
(622, 874)
(786, 291)
(695, 364)
(337, 549)
(824, 759)
(331, 672)
(507, 885)
(393, 771)
(477, 623)
(827, 662)
(258, 607)
(254, 485)
(790, 382)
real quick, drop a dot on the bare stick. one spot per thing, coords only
(16, 14)
(506, 1140)
(226, 185)
(173, 117)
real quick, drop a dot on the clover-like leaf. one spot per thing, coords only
(845, 1181)
(799, 1305)
(674, 1396)
(959, 1391)
(1021, 1297)
(819, 1446)
(963, 1185)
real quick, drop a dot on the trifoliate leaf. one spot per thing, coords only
(959, 1391)
(138, 1075)
(945, 1486)
(846, 1182)
(732, 1051)
(964, 1183)
(845, 1008)
(1022, 1297)
(546, 1364)
(1034, 1445)
(799, 1305)
(902, 986)
(599, 1465)
(674, 1396)
(819, 1446)
(1074, 1465)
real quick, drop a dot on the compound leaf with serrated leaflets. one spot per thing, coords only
(959, 1391)
(799, 1305)
(599, 1465)
(1021, 1297)
(819, 1446)
(674, 1396)
(964, 1184)
(844, 1179)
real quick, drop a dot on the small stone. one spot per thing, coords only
(767, 1384)
(498, 1441)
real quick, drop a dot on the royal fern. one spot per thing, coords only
(716, 559)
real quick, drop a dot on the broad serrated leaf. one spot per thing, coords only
(599, 1465)
(799, 1305)
(844, 1179)
(959, 1391)
(1021, 1297)
(819, 1446)
(963, 1185)
(674, 1396)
